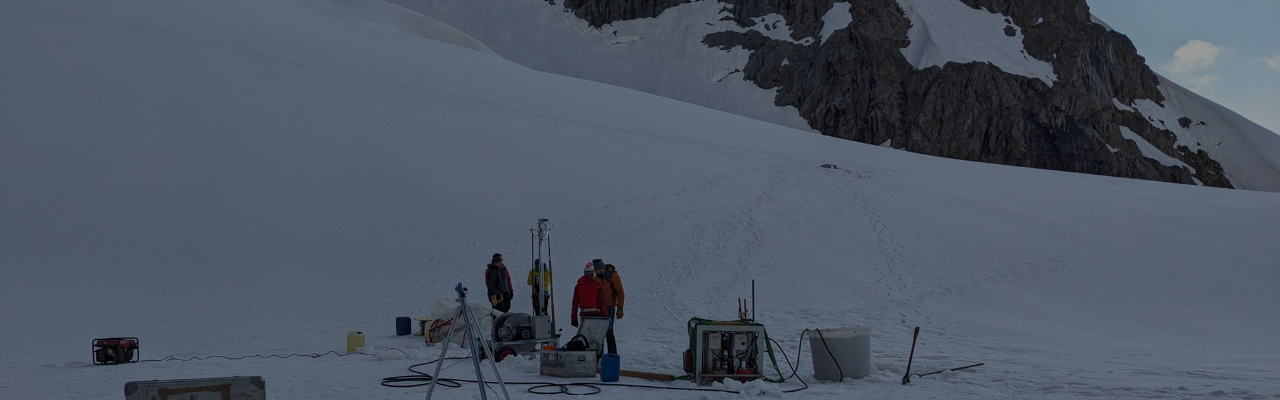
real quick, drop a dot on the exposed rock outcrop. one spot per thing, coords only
(601, 12)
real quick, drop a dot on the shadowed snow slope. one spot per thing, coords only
(1253, 150)
(246, 177)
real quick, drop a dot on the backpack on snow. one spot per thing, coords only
(578, 343)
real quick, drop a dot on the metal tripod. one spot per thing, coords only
(464, 312)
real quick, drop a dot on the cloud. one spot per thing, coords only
(1195, 56)
(1191, 61)
(1273, 62)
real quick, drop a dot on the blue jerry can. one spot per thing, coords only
(610, 365)
(403, 326)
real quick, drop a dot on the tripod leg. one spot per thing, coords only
(493, 362)
(471, 341)
(443, 351)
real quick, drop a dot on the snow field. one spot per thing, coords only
(259, 177)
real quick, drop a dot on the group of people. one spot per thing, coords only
(598, 293)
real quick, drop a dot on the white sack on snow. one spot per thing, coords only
(442, 313)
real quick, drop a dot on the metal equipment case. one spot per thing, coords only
(567, 364)
(734, 350)
(232, 388)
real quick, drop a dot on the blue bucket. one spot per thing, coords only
(610, 366)
(403, 326)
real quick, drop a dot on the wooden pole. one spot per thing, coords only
(653, 376)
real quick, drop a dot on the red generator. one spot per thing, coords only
(115, 350)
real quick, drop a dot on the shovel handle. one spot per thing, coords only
(906, 378)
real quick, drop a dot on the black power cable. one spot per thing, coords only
(422, 379)
(312, 355)
(795, 371)
(833, 356)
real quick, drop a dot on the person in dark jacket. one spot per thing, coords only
(587, 296)
(498, 282)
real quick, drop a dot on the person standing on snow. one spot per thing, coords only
(498, 282)
(540, 279)
(614, 297)
(587, 295)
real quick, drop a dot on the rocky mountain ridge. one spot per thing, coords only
(854, 81)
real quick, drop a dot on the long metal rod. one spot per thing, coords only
(540, 306)
(532, 234)
(540, 292)
(552, 306)
(953, 369)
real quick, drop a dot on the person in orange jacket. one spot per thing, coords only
(614, 298)
(587, 296)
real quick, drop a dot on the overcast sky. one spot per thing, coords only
(1225, 50)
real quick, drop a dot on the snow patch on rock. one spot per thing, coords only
(838, 17)
(1096, 20)
(1150, 151)
(945, 31)
(1120, 105)
(772, 26)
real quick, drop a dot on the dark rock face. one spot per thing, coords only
(601, 12)
(857, 85)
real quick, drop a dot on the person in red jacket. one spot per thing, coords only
(588, 296)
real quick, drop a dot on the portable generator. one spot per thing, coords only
(115, 350)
